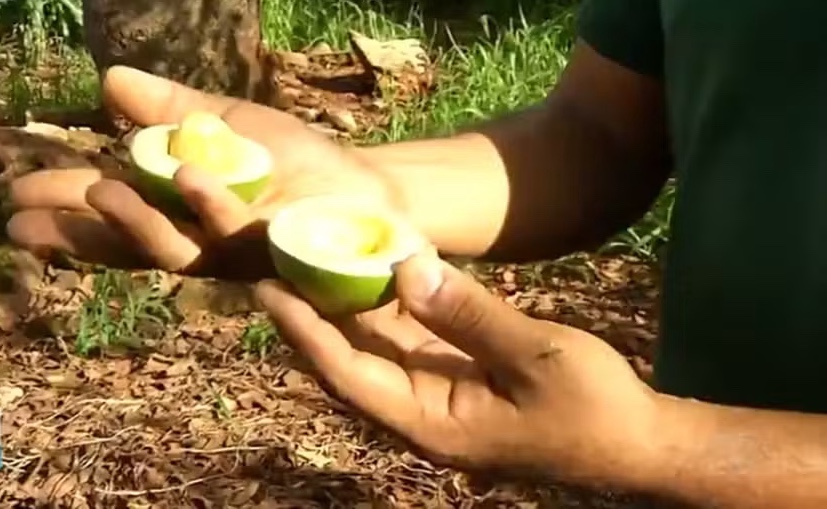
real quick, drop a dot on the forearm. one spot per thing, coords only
(538, 184)
(455, 189)
(727, 457)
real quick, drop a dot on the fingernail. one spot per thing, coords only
(425, 277)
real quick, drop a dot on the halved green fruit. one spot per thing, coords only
(206, 141)
(338, 252)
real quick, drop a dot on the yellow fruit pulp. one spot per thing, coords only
(357, 236)
(207, 142)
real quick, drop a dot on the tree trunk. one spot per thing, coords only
(212, 45)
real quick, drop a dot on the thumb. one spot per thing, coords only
(462, 312)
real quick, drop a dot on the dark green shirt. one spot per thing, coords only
(745, 310)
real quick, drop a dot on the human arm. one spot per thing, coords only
(554, 178)
(558, 177)
(740, 458)
(473, 383)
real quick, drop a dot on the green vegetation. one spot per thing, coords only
(258, 338)
(120, 312)
(38, 24)
(505, 58)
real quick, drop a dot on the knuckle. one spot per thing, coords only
(467, 313)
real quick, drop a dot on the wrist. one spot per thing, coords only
(430, 180)
(369, 159)
(678, 426)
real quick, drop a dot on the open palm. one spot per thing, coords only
(394, 369)
(99, 218)
(469, 380)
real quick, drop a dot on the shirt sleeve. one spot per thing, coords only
(628, 32)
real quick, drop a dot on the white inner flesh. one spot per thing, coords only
(318, 232)
(150, 149)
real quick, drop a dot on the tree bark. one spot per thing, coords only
(212, 45)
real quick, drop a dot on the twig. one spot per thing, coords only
(222, 450)
(90, 401)
(17, 465)
(92, 441)
(156, 491)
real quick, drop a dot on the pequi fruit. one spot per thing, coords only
(205, 141)
(338, 252)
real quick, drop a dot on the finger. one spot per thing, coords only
(221, 211)
(81, 235)
(463, 313)
(151, 232)
(375, 385)
(147, 99)
(59, 189)
(383, 332)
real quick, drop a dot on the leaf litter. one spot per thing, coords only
(196, 421)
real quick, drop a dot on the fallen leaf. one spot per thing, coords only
(120, 367)
(320, 48)
(57, 487)
(306, 114)
(50, 130)
(246, 494)
(293, 59)
(153, 477)
(62, 460)
(179, 368)
(64, 381)
(154, 366)
(293, 379)
(391, 56)
(342, 119)
(314, 457)
(9, 394)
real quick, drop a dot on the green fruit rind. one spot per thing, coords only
(339, 286)
(331, 293)
(155, 167)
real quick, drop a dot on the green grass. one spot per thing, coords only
(120, 313)
(505, 59)
(35, 23)
(258, 338)
(71, 81)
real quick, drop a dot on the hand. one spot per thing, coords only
(474, 383)
(99, 218)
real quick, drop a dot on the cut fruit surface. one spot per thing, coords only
(208, 142)
(205, 141)
(347, 236)
(343, 235)
(339, 252)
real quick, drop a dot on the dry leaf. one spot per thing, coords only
(246, 494)
(179, 368)
(341, 119)
(293, 379)
(57, 487)
(8, 395)
(392, 56)
(50, 130)
(289, 59)
(154, 366)
(64, 381)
